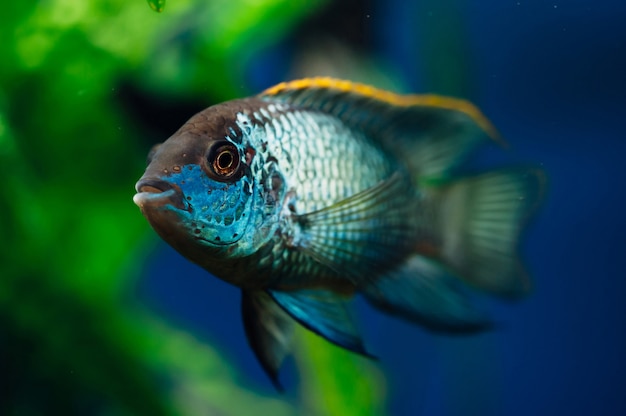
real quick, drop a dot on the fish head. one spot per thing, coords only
(201, 191)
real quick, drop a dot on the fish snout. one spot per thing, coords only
(152, 193)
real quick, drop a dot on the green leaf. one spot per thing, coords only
(157, 5)
(335, 381)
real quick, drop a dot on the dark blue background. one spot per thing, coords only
(552, 78)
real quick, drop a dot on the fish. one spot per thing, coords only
(319, 190)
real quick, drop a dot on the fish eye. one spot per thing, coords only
(223, 160)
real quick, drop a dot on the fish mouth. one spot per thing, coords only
(156, 193)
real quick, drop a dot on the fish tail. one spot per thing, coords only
(471, 239)
(479, 225)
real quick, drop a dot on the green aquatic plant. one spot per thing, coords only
(157, 5)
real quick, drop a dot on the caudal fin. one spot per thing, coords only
(481, 219)
(473, 227)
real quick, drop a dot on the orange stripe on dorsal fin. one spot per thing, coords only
(431, 134)
(387, 97)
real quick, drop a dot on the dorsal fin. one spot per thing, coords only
(436, 131)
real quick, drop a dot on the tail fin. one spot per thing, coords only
(474, 226)
(481, 218)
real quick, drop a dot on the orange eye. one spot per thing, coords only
(223, 160)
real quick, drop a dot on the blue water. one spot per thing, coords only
(552, 77)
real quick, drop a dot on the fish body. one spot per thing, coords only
(318, 189)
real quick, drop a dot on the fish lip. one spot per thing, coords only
(153, 185)
(156, 192)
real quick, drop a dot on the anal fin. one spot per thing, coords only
(423, 292)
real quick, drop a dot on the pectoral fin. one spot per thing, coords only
(364, 234)
(269, 330)
(325, 313)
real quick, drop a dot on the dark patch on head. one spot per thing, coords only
(274, 185)
(277, 182)
(220, 120)
(249, 155)
(188, 146)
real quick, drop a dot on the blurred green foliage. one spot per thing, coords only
(72, 339)
(157, 5)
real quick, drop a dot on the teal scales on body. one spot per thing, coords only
(320, 189)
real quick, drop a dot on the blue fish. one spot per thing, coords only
(319, 189)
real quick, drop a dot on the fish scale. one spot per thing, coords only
(321, 143)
